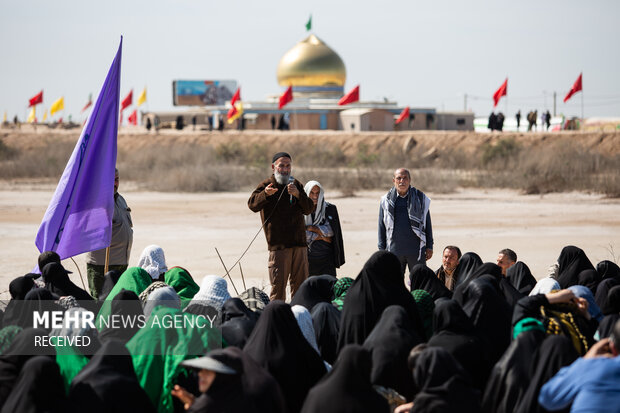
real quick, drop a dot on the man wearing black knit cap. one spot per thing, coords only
(282, 203)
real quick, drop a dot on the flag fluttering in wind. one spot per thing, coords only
(141, 98)
(577, 87)
(57, 106)
(127, 101)
(403, 115)
(236, 97)
(502, 91)
(79, 216)
(44, 116)
(133, 118)
(36, 99)
(235, 112)
(309, 24)
(286, 97)
(32, 116)
(352, 96)
(89, 103)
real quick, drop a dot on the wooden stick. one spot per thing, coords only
(79, 272)
(227, 273)
(107, 260)
(242, 277)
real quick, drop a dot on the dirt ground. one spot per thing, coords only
(190, 226)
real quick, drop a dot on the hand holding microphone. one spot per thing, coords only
(292, 189)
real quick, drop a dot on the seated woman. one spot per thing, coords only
(323, 233)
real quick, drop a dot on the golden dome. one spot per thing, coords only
(311, 63)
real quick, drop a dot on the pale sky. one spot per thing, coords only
(417, 53)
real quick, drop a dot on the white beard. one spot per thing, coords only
(281, 179)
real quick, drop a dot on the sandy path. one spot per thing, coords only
(190, 226)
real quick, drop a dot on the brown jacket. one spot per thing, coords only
(286, 227)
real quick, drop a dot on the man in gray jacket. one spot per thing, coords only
(120, 246)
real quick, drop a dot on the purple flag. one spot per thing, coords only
(79, 216)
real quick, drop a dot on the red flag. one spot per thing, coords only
(500, 92)
(36, 99)
(286, 97)
(403, 115)
(352, 96)
(231, 112)
(133, 118)
(127, 101)
(90, 102)
(577, 86)
(236, 97)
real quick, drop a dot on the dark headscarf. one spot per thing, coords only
(20, 313)
(252, 389)
(426, 306)
(108, 383)
(571, 262)
(608, 269)
(490, 314)
(510, 376)
(521, 277)
(18, 288)
(378, 285)
(612, 304)
(455, 333)
(238, 322)
(390, 343)
(7, 335)
(109, 281)
(278, 345)
(326, 323)
(607, 325)
(554, 353)
(347, 388)
(601, 291)
(58, 282)
(423, 278)
(510, 293)
(21, 350)
(590, 279)
(314, 290)
(125, 304)
(442, 385)
(38, 388)
(466, 266)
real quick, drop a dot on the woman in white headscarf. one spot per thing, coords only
(323, 233)
(153, 261)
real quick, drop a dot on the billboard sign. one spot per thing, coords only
(202, 92)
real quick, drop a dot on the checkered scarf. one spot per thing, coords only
(213, 291)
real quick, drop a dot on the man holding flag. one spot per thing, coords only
(82, 215)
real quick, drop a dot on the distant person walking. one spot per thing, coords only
(518, 116)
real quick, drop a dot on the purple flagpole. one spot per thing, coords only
(79, 216)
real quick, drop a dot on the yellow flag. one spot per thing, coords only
(58, 105)
(238, 114)
(4, 118)
(32, 115)
(142, 97)
(44, 116)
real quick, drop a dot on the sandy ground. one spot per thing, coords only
(190, 226)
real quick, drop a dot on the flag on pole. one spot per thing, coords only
(352, 96)
(141, 98)
(127, 101)
(286, 97)
(57, 106)
(36, 99)
(4, 117)
(309, 24)
(577, 86)
(89, 103)
(403, 115)
(79, 216)
(235, 112)
(44, 116)
(133, 118)
(236, 97)
(32, 115)
(502, 91)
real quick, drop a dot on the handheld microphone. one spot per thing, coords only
(290, 181)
